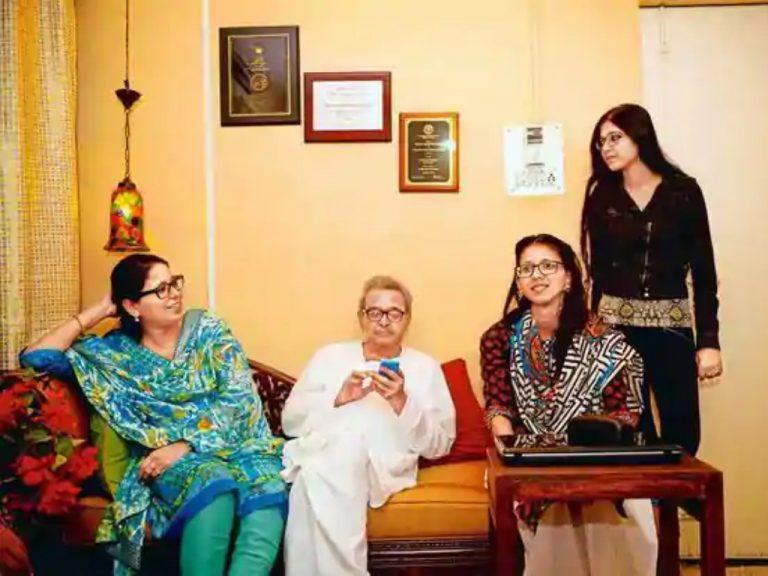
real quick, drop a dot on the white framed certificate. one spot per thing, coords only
(347, 107)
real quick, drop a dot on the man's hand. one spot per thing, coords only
(352, 388)
(391, 385)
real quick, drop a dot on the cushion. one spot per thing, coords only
(472, 435)
(449, 500)
(112, 453)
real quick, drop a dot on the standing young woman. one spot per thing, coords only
(643, 229)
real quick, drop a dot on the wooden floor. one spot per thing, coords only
(730, 571)
(686, 570)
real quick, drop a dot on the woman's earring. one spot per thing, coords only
(136, 318)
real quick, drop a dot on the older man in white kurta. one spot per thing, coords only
(349, 456)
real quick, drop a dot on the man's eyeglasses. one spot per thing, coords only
(163, 290)
(393, 315)
(546, 267)
(612, 138)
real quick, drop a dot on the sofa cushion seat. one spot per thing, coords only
(450, 500)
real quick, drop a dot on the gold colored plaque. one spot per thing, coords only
(429, 152)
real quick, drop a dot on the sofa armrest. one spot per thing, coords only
(273, 387)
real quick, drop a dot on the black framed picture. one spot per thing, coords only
(259, 75)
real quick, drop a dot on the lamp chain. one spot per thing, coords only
(127, 85)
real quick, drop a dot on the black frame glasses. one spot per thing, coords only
(163, 290)
(393, 315)
(545, 267)
(612, 139)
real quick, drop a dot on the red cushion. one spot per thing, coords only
(472, 435)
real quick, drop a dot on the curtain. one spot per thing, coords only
(39, 243)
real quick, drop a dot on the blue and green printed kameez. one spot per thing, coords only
(203, 395)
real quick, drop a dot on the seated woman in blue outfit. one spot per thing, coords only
(176, 385)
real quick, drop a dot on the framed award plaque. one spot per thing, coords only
(259, 69)
(347, 107)
(429, 152)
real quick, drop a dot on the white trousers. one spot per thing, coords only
(592, 540)
(325, 533)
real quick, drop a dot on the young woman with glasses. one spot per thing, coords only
(644, 228)
(360, 429)
(176, 386)
(543, 364)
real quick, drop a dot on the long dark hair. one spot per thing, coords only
(636, 123)
(574, 315)
(128, 277)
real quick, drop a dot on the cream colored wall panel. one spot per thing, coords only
(300, 226)
(166, 134)
(706, 84)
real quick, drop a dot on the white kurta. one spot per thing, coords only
(344, 459)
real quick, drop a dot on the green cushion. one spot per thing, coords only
(112, 453)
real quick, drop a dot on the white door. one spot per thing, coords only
(706, 85)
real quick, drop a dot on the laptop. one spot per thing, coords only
(550, 450)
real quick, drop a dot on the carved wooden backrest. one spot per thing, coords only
(273, 388)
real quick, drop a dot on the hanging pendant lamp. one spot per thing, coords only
(126, 214)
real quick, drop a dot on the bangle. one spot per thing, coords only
(79, 323)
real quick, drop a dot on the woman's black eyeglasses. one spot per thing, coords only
(163, 289)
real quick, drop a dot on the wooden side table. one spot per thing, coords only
(691, 483)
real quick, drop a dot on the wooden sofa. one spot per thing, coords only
(443, 521)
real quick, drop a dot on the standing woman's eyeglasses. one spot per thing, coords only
(611, 139)
(163, 290)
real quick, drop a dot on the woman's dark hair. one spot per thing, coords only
(128, 277)
(574, 315)
(636, 123)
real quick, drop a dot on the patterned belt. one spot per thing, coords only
(671, 313)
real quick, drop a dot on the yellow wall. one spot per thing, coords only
(683, 50)
(166, 133)
(299, 226)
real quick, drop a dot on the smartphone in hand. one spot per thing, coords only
(390, 364)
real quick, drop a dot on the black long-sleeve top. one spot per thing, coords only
(646, 254)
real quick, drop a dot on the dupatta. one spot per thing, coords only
(203, 395)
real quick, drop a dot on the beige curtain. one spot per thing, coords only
(39, 244)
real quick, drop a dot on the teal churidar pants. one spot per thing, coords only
(205, 540)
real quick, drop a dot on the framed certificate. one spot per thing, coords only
(259, 69)
(347, 107)
(429, 152)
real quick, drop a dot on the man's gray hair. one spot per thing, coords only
(385, 283)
